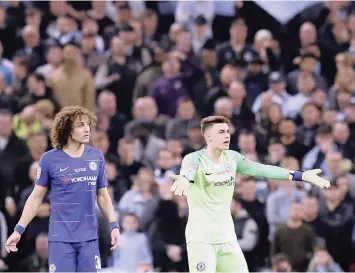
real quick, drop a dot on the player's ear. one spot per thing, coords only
(207, 137)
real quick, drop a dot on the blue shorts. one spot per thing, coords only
(74, 257)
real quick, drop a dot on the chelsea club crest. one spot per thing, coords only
(201, 266)
(93, 166)
(228, 167)
(52, 268)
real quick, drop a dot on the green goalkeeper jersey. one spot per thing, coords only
(210, 195)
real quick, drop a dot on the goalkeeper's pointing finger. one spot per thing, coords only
(173, 187)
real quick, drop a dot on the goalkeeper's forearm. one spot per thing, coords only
(255, 169)
(30, 210)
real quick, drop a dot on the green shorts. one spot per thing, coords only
(221, 258)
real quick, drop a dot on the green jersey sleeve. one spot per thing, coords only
(255, 169)
(189, 167)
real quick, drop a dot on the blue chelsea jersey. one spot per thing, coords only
(72, 183)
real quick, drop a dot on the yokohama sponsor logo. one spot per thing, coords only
(91, 178)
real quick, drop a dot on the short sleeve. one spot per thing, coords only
(42, 178)
(101, 179)
(189, 167)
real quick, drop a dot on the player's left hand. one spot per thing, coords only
(180, 186)
(115, 238)
(312, 177)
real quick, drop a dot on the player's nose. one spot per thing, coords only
(87, 129)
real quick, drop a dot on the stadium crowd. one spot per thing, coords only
(151, 71)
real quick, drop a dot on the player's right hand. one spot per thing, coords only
(12, 241)
(180, 186)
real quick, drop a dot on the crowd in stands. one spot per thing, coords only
(150, 71)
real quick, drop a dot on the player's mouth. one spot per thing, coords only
(226, 142)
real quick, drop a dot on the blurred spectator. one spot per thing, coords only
(174, 84)
(38, 261)
(323, 262)
(268, 49)
(202, 38)
(287, 130)
(305, 87)
(33, 48)
(278, 202)
(92, 56)
(167, 233)
(255, 207)
(276, 91)
(146, 79)
(307, 62)
(306, 133)
(54, 59)
(141, 199)
(145, 108)
(73, 84)
(134, 249)
(187, 12)
(281, 263)
(236, 51)
(165, 166)
(128, 167)
(336, 218)
(177, 127)
(341, 138)
(118, 76)
(229, 74)
(195, 140)
(99, 139)
(6, 67)
(335, 165)
(311, 216)
(35, 90)
(242, 116)
(24, 124)
(295, 239)
(315, 158)
(21, 70)
(11, 149)
(151, 35)
(107, 108)
(37, 144)
(246, 229)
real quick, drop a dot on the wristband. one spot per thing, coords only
(19, 229)
(114, 225)
(297, 176)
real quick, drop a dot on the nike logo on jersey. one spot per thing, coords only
(208, 173)
(63, 169)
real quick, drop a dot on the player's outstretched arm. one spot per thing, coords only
(187, 174)
(105, 204)
(29, 212)
(255, 169)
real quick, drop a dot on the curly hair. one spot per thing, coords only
(63, 124)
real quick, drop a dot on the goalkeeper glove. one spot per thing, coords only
(180, 186)
(312, 177)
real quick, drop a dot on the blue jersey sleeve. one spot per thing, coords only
(43, 172)
(101, 180)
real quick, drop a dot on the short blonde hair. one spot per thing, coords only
(209, 121)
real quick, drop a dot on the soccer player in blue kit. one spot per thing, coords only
(74, 174)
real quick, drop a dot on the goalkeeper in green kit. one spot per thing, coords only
(207, 178)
